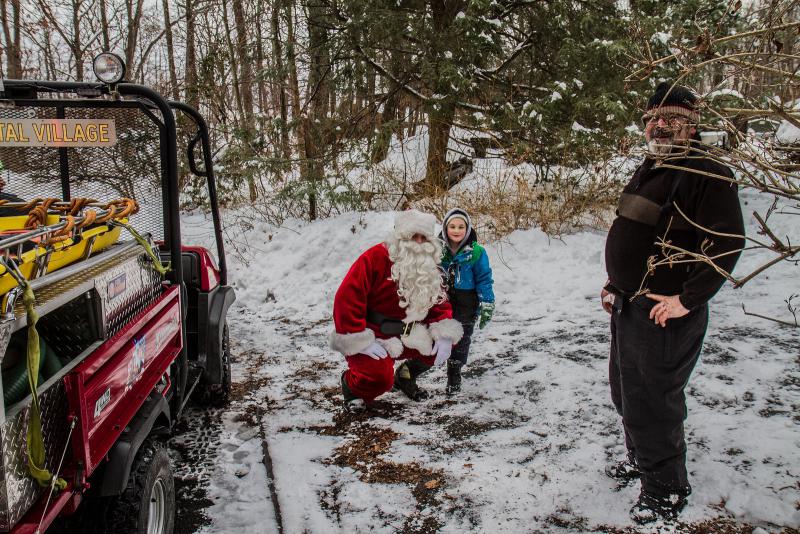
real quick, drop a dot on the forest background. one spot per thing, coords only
(311, 101)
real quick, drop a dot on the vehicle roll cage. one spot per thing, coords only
(129, 95)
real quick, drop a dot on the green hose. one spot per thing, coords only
(15, 379)
(52, 363)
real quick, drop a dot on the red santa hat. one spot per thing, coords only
(410, 222)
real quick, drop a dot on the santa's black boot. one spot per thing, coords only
(405, 379)
(351, 403)
(453, 377)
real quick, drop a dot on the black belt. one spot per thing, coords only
(387, 325)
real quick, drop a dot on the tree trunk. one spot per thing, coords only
(318, 77)
(105, 34)
(239, 119)
(76, 45)
(234, 67)
(133, 10)
(441, 113)
(372, 116)
(294, 88)
(277, 54)
(12, 38)
(439, 124)
(246, 77)
(245, 91)
(259, 74)
(314, 138)
(173, 73)
(49, 56)
(387, 120)
(192, 93)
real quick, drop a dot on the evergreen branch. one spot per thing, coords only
(383, 71)
(527, 43)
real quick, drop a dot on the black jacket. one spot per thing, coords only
(712, 203)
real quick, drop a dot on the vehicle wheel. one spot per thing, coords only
(217, 395)
(147, 506)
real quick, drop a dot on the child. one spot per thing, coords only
(469, 286)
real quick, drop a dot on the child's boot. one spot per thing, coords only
(453, 377)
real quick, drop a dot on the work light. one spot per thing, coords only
(109, 68)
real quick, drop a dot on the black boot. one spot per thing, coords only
(625, 470)
(351, 403)
(453, 377)
(650, 508)
(405, 379)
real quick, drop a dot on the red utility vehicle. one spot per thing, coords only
(122, 345)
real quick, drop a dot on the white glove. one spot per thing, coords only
(375, 351)
(442, 349)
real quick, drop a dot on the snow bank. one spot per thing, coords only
(522, 449)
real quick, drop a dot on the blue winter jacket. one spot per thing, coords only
(469, 270)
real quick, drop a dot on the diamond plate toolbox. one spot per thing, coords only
(18, 490)
(123, 282)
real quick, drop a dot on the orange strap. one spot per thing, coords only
(30, 205)
(127, 206)
(75, 205)
(38, 208)
(37, 216)
(89, 217)
(112, 211)
(63, 234)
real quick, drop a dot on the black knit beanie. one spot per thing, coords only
(673, 100)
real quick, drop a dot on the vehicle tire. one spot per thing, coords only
(147, 506)
(218, 395)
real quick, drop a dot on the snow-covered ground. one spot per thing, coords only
(522, 449)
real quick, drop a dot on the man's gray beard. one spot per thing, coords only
(415, 270)
(658, 148)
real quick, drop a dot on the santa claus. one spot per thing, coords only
(390, 306)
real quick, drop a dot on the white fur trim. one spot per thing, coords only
(349, 344)
(410, 222)
(411, 317)
(393, 346)
(449, 328)
(419, 339)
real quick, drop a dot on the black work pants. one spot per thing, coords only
(649, 368)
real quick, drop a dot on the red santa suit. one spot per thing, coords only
(368, 285)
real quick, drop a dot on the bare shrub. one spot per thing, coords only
(557, 200)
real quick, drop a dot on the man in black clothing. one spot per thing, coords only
(659, 311)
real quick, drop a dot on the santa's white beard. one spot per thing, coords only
(415, 270)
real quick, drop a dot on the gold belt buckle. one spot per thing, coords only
(407, 328)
